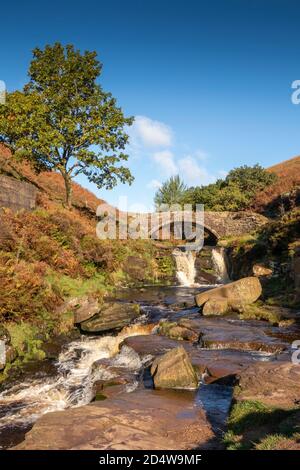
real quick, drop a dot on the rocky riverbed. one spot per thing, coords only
(100, 391)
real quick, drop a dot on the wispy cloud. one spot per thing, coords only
(192, 172)
(166, 162)
(154, 139)
(150, 133)
(154, 184)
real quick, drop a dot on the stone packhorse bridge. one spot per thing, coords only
(216, 225)
(220, 224)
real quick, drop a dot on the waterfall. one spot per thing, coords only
(219, 262)
(185, 267)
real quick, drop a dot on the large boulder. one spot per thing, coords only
(88, 307)
(216, 306)
(174, 370)
(237, 294)
(113, 316)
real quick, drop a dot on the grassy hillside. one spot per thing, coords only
(284, 191)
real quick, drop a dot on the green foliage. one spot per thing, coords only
(281, 233)
(172, 192)
(258, 311)
(249, 179)
(166, 266)
(24, 338)
(64, 121)
(234, 193)
(66, 286)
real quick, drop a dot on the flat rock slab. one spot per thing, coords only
(113, 316)
(215, 364)
(274, 383)
(238, 334)
(144, 419)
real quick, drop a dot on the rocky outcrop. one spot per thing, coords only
(17, 194)
(174, 370)
(210, 364)
(113, 316)
(237, 334)
(87, 308)
(142, 420)
(272, 383)
(237, 294)
(259, 270)
(7, 352)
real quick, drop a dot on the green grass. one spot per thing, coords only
(67, 286)
(24, 338)
(271, 442)
(253, 425)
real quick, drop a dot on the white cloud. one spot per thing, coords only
(151, 133)
(154, 184)
(192, 172)
(166, 162)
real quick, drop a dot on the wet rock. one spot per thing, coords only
(135, 268)
(118, 380)
(215, 307)
(113, 316)
(211, 364)
(236, 334)
(175, 331)
(144, 419)
(243, 292)
(174, 370)
(272, 383)
(87, 308)
(53, 347)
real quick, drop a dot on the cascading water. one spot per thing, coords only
(72, 385)
(219, 262)
(185, 267)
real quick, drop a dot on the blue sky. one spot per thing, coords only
(209, 81)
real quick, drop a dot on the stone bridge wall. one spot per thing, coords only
(227, 224)
(17, 194)
(219, 224)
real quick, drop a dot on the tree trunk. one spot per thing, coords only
(68, 188)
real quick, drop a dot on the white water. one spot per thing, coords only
(73, 383)
(219, 262)
(185, 265)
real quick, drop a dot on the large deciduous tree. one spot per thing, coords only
(64, 121)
